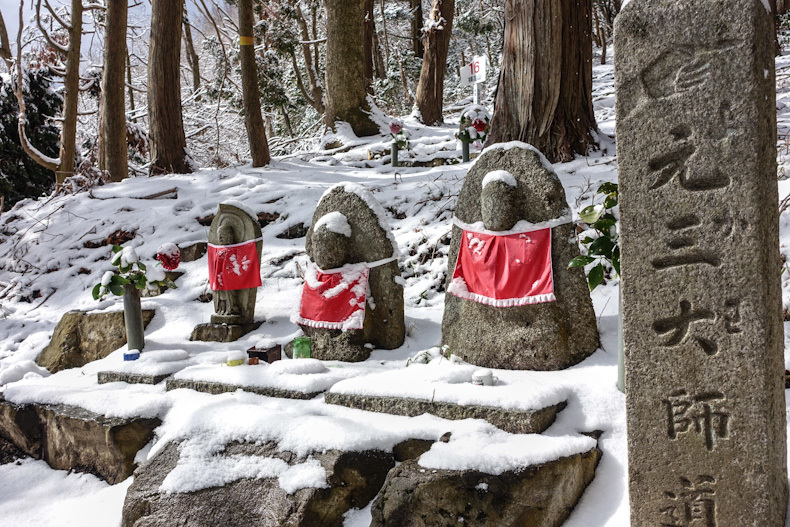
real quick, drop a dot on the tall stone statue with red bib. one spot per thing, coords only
(234, 253)
(511, 301)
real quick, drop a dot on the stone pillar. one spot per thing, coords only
(702, 321)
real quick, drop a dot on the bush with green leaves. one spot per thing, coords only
(604, 246)
(130, 271)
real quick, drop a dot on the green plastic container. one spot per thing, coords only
(302, 348)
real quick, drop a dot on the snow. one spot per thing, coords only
(334, 222)
(500, 175)
(168, 249)
(42, 249)
(443, 381)
(495, 452)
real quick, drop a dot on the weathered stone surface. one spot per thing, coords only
(230, 226)
(72, 438)
(537, 496)
(21, 426)
(702, 313)
(384, 325)
(411, 449)
(222, 332)
(191, 253)
(81, 338)
(546, 336)
(353, 478)
(513, 421)
(130, 378)
(220, 387)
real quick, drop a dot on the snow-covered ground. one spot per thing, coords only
(46, 270)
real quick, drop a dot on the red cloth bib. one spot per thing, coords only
(334, 300)
(233, 267)
(504, 270)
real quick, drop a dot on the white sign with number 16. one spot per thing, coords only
(474, 73)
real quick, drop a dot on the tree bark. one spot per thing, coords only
(112, 128)
(370, 30)
(253, 120)
(316, 96)
(346, 86)
(71, 82)
(544, 96)
(430, 90)
(416, 27)
(165, 122)
(192, 56)
(5, 46)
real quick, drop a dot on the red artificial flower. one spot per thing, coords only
(169, 255)
(395, 127)
(480, 125)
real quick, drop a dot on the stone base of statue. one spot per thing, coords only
(214, 332)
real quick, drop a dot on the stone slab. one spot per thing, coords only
(701, 293)
(221, 387)
(130, 378)
(353, 479)
(72, 438)
(222, 332)
(513, 421)
(535, 496)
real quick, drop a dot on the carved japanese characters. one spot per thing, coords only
(702, 321)
(352, 299)
(511, 300)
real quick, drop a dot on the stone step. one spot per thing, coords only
(299, 379)
(68, 437)
(526, 406)
(513, 421)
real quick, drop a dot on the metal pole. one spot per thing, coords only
(464, 151)
(133, 318)
(476, 92)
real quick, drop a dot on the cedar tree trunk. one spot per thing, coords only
(112, 128)
(253, 120)
(346, 86)
(416, 27)
(68, 132)
(192, 56)
(544, 96)
(165, 122)
(437, 42)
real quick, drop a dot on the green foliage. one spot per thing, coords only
(604, 247)
(20, 176)
(130, 271)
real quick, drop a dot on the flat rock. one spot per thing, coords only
(72, 438)
(263, 379)
(519, 405)
(81, 337)
(535, 496)
(130, 378)
(513, 421)
(211, 332)
(353, 479)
